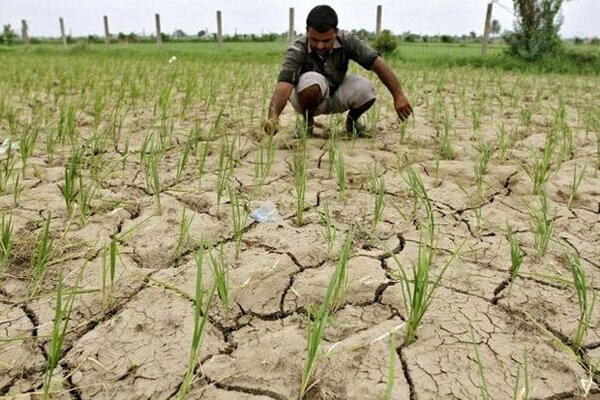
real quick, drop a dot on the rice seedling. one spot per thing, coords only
(598, 150)
(483, 387)
(402, 129)
(263, 161)
(151, 164)
(6, 241)
(201, 312)
(476, 118)
(7, 169)
(60, 323)
(377, 188)
(525, 118)
(342, 271)
(542, 225)
(224, 170)
(540, 170)
(68, 188)
(109, 269)
(329, 230)
(85, 196)
(184, 234)
(17, 189)
(575, 183)
(239, 215)
(202, 152)
(221, 274)
(182, 161)
(445, 139)
(299, 166)
(319, 317)
(340, 171)
(27, 143)
(483, 157)
(516, 258)
(391, 370)
(586, 299)
(521, 390)
(503, 143)
(41, 258)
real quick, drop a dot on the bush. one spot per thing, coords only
(8, 35)
(385, 42)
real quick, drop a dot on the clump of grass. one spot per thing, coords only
(575, 183)
(41, 258)
(320, 317)
(200, 323)
(184, 157)
(586, 298)
(329, 230)
(224, 169)
(542, 225)
(184, 234)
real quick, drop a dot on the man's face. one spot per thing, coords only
(321, 42)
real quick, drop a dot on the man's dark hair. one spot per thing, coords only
(322, 18)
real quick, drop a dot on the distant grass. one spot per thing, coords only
(583, 59)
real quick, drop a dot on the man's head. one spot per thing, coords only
(321, 28)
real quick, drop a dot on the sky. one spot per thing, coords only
(454, 17)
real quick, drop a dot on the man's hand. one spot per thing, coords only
(402, 107)
(271, 126)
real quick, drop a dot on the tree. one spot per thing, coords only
(386, 42)
(536, 28)
(496, 27)
(8, 35)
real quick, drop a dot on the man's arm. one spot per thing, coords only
(389, 79)
(278, 101)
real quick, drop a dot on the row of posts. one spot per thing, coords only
(25, 34)
(25, 30)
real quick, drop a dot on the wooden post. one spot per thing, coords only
(158, 33)
(62, 31)
(379, 12)
(24, 32)
(486, 30)
(291, 26)
(106, 32)
(219, 28)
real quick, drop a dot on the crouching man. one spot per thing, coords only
(313, 76)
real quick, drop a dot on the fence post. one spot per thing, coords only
(158, 33)
(487, 29)
(24, 32)
(219, 28)
(62, 31)
(379, 12)
(106, 32)
(291, 26)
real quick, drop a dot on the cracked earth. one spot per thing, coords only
(137, 345)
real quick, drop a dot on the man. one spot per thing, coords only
(313, 76)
